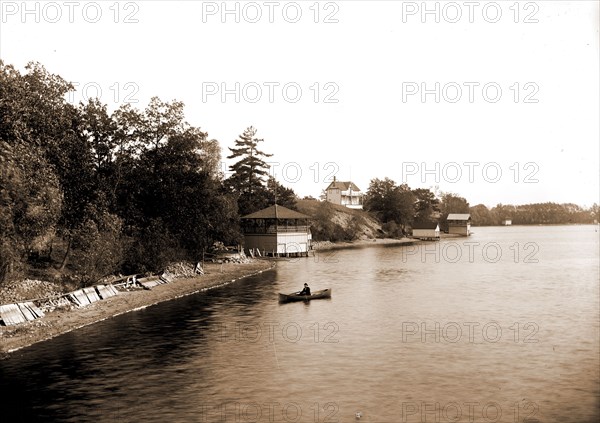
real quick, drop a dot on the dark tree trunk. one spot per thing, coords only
(66, 257)
(3, 272)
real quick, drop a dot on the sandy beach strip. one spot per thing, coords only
(58, 322)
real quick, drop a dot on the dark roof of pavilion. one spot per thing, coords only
(276, 212)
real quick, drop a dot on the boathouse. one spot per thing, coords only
(426, 230)
(345, 194)
(459, 224)
(507, 222)
(276, 231)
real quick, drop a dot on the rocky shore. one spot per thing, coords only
(62, 321)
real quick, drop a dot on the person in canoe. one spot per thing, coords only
(305, 291)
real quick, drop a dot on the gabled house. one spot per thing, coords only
(345, 194)
(459, 224)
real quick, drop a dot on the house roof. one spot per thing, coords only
(459, 216)
(276, 212)
(343, 186)
(425, 225)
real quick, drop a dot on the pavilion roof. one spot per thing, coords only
(276, 212)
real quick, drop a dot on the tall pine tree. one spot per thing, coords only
(248, 175)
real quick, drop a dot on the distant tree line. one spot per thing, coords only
(534, 214)
(88, 193)
(398, 207)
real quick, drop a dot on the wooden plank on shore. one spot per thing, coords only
(11, 314)
(91, 294)
(104, 291)
(166, 278)
(112, 289)
(73, 299)
(35, 310)
(149, 282)
(82, 299)
(26, 312)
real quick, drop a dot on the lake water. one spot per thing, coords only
(502, 326)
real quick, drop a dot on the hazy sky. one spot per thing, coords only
(496, 101)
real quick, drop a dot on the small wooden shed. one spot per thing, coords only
(426, 230)
(459, 224)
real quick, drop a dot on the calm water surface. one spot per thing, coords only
(502, 326)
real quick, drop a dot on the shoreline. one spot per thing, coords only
(59, 322)
(328, 245)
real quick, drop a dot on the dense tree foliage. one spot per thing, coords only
(426, 204)
(30, 203)
(451, 203)
(391, 203)
(97, 193)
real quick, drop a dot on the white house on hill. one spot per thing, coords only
(345, 194)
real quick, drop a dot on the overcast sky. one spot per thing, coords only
(497, 101)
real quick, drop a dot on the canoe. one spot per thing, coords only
(325, 293)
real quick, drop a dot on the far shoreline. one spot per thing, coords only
(328, 245)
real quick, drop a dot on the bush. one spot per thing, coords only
(152, 249)
(355, 228)
(98, 248)
(393, 230)
(325, 229)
